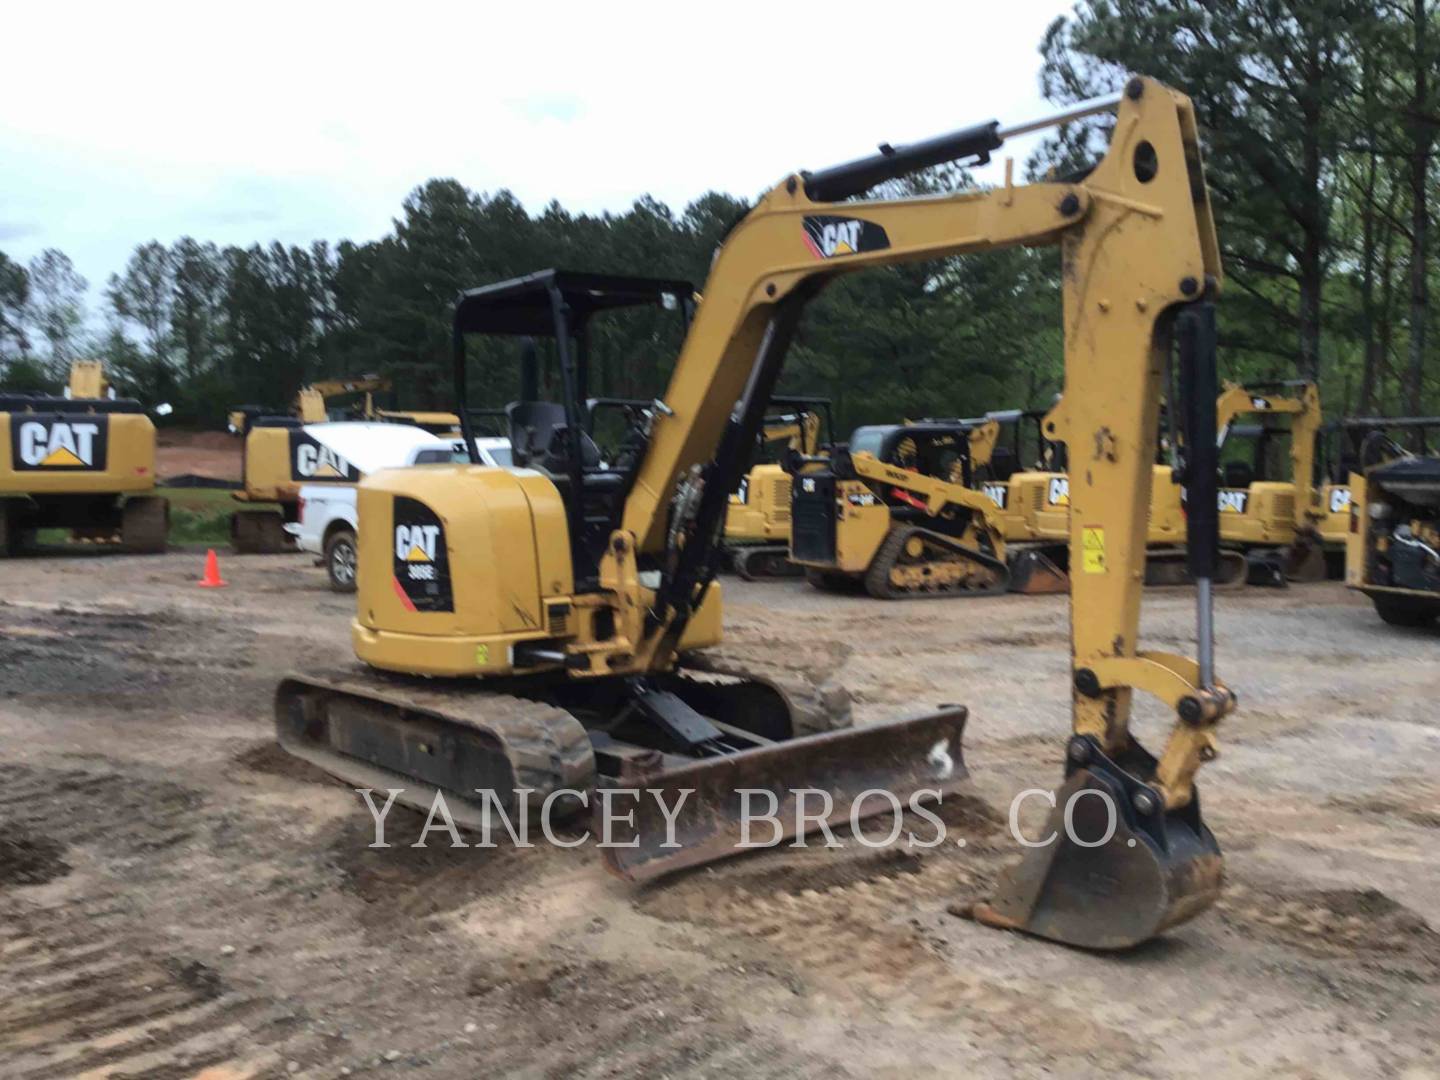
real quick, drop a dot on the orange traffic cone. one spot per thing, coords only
(212, 580)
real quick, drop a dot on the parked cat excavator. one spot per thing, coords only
(83, 462)
(576, 591)
(1274, 510)
(757, 521)
(278, 455)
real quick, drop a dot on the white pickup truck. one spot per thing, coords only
(328, 521)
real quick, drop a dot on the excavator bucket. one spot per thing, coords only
(1119, 868)
(765, 796)
(1034, 571)
(1305, 560)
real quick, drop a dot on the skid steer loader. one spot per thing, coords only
(84, 462)
(894, 512)
(551, 613)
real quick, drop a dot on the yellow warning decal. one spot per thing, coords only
(1093, 542)
(482, 655)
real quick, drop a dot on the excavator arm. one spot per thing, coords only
(310, 401)
(1140, 267)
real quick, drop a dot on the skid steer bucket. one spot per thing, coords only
(762, 797)
(1118, 870)
(1034, 571)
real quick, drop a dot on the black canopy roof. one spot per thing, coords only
(522, 305)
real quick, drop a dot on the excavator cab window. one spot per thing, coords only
(561, 311)
(1256, 452)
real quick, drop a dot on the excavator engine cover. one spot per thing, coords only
(1117, 869)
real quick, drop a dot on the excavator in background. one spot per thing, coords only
(279, 455)
(894, 511)
(531, 634)
(1272, 530)
(1273, 512)
(84, 462)
(1392, 551)
(757, 521)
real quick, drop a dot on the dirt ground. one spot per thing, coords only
(178, 898)
(215, 454)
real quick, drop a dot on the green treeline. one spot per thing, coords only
(1319, 121)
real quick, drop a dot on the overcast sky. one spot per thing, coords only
(127, 122)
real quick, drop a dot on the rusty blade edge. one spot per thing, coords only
(898, 756)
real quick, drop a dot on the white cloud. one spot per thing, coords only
(303, 121)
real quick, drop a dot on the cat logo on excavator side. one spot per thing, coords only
(421, 565)
(61, 444)
(828, 235)
(312, 462)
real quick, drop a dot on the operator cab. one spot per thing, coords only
(559, 310)
(931, 448)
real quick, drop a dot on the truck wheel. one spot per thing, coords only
(340, 559)
(1406, 611)
(145, 524)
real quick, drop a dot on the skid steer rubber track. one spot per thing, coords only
(376, 732)
(915, 563)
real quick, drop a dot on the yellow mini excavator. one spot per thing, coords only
(84, 462)
(1037, 524)
(529, 630)
(894, 511)
(1271, 508)
(757, 521)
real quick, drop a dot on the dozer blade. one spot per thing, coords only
(1034, 572)
(1158, 869)
(903, 757)
(1168, 566)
